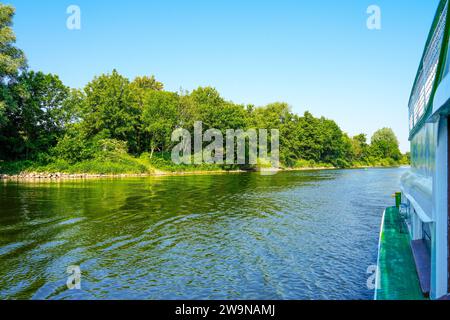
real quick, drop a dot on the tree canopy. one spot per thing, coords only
(385, 144)
(46, 118)
(12, 59)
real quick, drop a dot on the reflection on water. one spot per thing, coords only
(295, 235)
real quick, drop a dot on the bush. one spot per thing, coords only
(163, 161)
(110, 147)
(126, 166)
(264, 163)
(73, 149)
(302, 163)
(15, 167)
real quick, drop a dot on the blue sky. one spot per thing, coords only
(315, 55)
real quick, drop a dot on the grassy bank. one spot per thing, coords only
(123, 164)
(111, 164)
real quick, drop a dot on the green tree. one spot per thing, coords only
(207, 96)
(147, 83)
(206, 105)
(309, 146)
(36, 116)
(406, 159)
(141, 85)
(6, 101)
(385, 145)
(74, 146)
(110, 109)
(223, 117)
(333, 148)
(159, 119)
(12, 59)
(346, 152)
(272, 116)
(360, 148)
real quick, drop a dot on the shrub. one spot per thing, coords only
(163, 161)
(15, 167)
(73, 149)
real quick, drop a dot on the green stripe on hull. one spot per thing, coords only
(398, 278)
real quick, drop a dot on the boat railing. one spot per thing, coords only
(430, 69)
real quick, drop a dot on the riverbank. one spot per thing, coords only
(65, 176)
(36, 176)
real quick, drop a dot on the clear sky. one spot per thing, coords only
(315, 55)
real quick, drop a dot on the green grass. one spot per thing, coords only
(109, 164)
(301, 163)
(113, 163)
(163, 162)
(120, 164)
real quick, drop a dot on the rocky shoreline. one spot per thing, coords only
(83, 176)
(36, 176)
(58, 176)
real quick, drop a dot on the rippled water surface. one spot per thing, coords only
(295, 235)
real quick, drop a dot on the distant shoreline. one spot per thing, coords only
(40, 176)
(85, 176)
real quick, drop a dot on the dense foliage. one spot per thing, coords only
(115, 125)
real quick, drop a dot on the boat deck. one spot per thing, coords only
(423, 265)
(398, 279)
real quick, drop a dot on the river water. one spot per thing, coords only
(294, 235)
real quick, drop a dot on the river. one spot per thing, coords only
(294, 235)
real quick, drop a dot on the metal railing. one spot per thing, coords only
(426, 76)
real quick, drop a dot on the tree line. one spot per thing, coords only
(44, 121)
